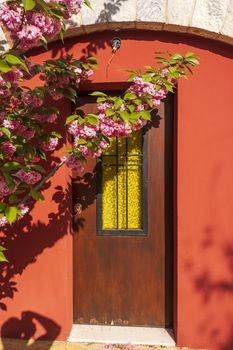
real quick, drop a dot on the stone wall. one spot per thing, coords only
(208, 18)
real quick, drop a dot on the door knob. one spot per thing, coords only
(78, 208)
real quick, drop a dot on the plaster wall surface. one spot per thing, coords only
(39, 277)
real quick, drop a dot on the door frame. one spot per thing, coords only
(170, 214)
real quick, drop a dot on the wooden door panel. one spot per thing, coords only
(121, 280)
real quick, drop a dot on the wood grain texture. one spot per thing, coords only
(121, 280)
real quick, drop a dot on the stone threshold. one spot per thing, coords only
(121, 335)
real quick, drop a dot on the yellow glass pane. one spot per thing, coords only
(135, 182)
(122, 185)
(109, 188)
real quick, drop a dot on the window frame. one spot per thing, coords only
(125, 232)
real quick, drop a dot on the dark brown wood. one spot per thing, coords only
(122, 280)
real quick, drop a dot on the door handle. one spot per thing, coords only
(78, 208)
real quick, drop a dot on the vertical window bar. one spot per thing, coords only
(126, 187)
(117, 219)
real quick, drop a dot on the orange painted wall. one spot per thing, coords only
(203, 315)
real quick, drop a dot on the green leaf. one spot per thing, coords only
(13, 60)
(189, 54)
(92, 119)
(125, 116)
(55, 4)
(92, 60)
(98, 93)
(6, 132)
(38, 168)
(36, 195)
(71, 118)
(88, 4)
(4, 67)
(10, 181)
(56, 134)
(82, 141)
(11, 214)
(177, 56)
(130, 96)
(131, 108)
(29, 4)
(2, 207)
(12, 166)
(193, 61)
(2, 255)
(56, 13)
(145, 115)
(118, 103)
(101, 99)
(109, 112)
(44, 42)
(13, 199)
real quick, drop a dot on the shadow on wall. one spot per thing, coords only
(25, 241)
(216, 289)
(26, 328)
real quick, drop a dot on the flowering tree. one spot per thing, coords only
(24, 140)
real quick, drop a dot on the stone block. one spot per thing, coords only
(94, 15)
(180, 12)
(227, 28)
(151, 10)
(210, 14)
(120, 10)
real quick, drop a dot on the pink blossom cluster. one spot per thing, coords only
(8, 149)
(73, 163)
(50, 145)
(144, 89)
(30, 177)
(32, 26)
(85, 131)
(87, 152)
(18, 128)
(72, 76)
(48, 118)
(4, 189)
(28, 27)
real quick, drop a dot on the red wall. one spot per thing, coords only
(203, 315)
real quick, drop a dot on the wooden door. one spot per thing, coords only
(124, 276)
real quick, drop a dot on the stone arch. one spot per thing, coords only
(211, 19)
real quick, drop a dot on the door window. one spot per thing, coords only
(122, 198)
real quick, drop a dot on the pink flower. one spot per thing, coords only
(46, 118)
(29, 134)
(54, 94)
(31, 178)
(50, 145)
(84, 150)
(35, 159)
(4, 189)
(3, 221)
(24, 210)
(29, 35)
(32, 100)
(10, 16)
(74, 164)
(8, 149)
(87, 73)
